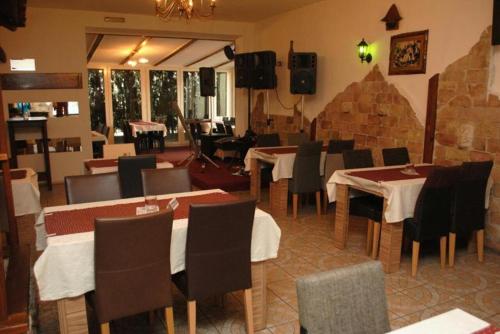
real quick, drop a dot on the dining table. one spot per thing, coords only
(147, 126)
(64, 271)
(25, 191)
(398, 186)
(100, 166)
(282, 159)
(98, 137)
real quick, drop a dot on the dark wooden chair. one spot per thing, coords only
(358, 158)
(268, 140)
(92, 188)
(132, 267)
(469, 205)
(395, 156)
(129, 171)
(165, 181)
(339, 146)
(218, 246)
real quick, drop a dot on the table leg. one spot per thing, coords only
(341, 216)
(259, 295)
(391, 240)
(278, 197)
(162, 142)
(72, 315)
(255, 179)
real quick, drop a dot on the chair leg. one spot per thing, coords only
(318, 203)
(192, 317)
(325, 201)
(376, 239)
(295, 202)
(247, 296)
(369, 237)
(105, 328)
(169, 319)
(414, 258)
(451, 248)
(480, 245)
(442, 251)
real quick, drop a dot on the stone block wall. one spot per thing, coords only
(468, 122)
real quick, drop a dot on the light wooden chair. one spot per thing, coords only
(114, 151)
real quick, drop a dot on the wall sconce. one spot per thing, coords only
(363, 52)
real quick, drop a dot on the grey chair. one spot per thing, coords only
(395, 156)
(129, 170)
(92, 188)
(295, 139)
(306, 177)
(358, 158)
(348, 300)
(333, 162)
(339, 146)
(165, 181)
(268, 140)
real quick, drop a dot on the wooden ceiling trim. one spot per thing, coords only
(176, 51)
(222, 64)
(95, 44)
(137, 48)
(205, 57)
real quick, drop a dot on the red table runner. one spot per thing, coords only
(82, 220)
(392, 174)
(102, 163)
(281, 150)
(18, 174)
(488, 330)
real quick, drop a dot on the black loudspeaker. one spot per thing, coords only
(228, 51)
(244, 65)
(264, 75)
(303, 73)
(495, 36)
(207, 81)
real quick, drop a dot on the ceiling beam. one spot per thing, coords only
(137, 48)
(176, 51)
(222, 64)
(94, 46)
(205, 57)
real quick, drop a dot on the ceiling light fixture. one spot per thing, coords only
(167, 9)
(132, 63)
(143, 60)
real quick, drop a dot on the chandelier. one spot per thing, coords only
(167, 9)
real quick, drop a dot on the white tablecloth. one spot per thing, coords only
(283, 163)
(452, 322)
(66, 266)
(26, 194)
(143, 126)
(112, 169)
(401, 195)
(96, 136)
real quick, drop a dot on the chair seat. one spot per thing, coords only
(369, 206)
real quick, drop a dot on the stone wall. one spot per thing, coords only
(468, 122)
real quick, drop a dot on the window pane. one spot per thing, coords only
(221, 86)
(126, 92)
(195, 106)
(96, 97)
(163, 86)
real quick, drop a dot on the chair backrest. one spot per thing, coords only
(4, 219)
(165, 181)
(395, 156)
(306, 175)
(229, 129)
(433, 207)
(105, 131)
(348, 300)
(114, 151)
(92, 188)
(220, 127)
(295, 139)
(218, 245)
(99, 127)
(127, 132)
(470, 192)
(129, 170)
(333, 162)
(357, 158)
(268, 140)
(132, 265)
(339, 146)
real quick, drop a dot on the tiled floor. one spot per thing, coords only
(306, 248)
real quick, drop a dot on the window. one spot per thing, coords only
(126, 95)
(195, 106)
(163, 87)
(96, 97)
(221, 86)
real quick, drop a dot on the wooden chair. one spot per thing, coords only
(218, 245)
(129, 172)
(165, 181)
(132, 267)
(395, 156)
(114, 151)
(295, 139)
(468, 207)
(268, 140)
(92, 188)
(339, 146)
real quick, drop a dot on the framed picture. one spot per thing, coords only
(408, 53)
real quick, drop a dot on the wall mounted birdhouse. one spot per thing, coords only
(392, 18)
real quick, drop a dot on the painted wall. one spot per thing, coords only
(56, 39)
(332, 28)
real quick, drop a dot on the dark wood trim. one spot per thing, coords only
(430, 119)
(24, 81)
(137, 48)
(176, 51)
(205, 57)
(224, 63)
(93, 48)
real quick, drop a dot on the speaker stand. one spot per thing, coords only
(269, 120)
(249, 132)
(302, 113)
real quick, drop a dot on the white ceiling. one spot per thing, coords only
(113, 49)
(231, 10)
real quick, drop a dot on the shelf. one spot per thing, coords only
(4, 157)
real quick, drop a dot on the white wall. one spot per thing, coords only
(333, 28)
